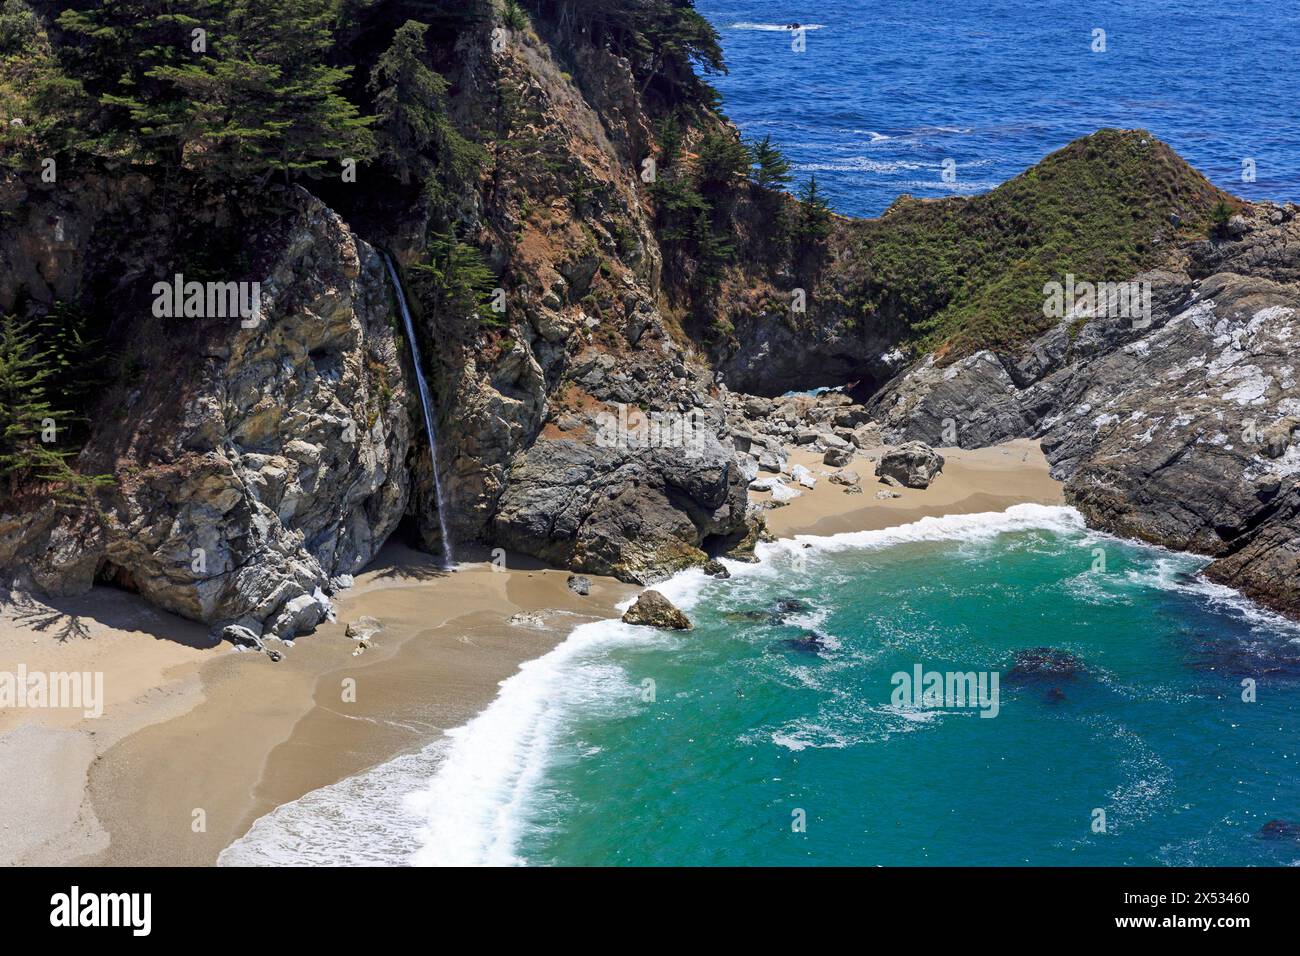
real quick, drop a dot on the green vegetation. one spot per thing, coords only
(721, 161)
(514, 16)
(236, 90)
(26, 415)
(667, 42)
(454, 281)
(771, 168)
(969, 273)
(1219, 217)
(38, 367)
(411, 114)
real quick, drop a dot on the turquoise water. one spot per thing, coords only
(631, 746)
(744, 730)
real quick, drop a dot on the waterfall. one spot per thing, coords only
(426, 403)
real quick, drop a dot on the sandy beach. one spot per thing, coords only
(197, 740)
(982, 479)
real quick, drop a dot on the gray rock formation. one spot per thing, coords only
(1180, 431)
(636, 514)
(279, 468)
(913, 464)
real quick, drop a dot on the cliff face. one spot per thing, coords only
(254, 469)
(1180, 433)
(596, 424)
(527, 465)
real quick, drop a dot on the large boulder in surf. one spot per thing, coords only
(654, 610)
(912, 465)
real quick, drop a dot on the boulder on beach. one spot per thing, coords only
(837, 457)
(912, 465)
(364, 628)
(652, 609)
(579, 584)
(845, 477)
(241, 636)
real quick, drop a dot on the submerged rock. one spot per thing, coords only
(1279, 830)
(912, 465)
(747, 617)
(789, 605)
(652, 609)
(1043, 665)
(810, 643)
(579, 584)
(1246, 657)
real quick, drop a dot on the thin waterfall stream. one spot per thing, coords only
(426, 403)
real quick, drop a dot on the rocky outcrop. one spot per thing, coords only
(652, 609)
(913, 464)
(250, 490)
(636, 515)
(1179, 431)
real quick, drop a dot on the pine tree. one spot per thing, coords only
(772, 169)
(25, 412)
(722, 159)
(255, 97)
(130, 50)
(813, 225)
(411, 113)
(408, 96)
(454, 281)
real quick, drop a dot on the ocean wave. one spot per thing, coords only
(359, 821)
(773, 27)
(470, 798)
(476, 805)
(981, 526)
(860, 164)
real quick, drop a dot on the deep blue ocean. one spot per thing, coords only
(884, 93)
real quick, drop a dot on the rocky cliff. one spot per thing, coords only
(1180, 431)
(598, 419)
(254, 469)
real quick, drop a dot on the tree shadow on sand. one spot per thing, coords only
(35, 616)
(64, 618)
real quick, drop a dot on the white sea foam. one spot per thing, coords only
(981, 526)
(475, 806)
(359, 821)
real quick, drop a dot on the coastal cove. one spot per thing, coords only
(648, 433)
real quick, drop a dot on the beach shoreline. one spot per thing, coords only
(197, 741)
